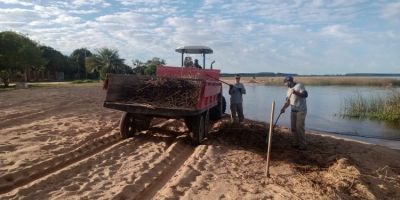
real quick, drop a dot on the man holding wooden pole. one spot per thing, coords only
(237, 91)
(296, 99)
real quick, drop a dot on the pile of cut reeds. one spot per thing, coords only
(166, 92)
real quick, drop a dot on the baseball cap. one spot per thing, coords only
(288, 79)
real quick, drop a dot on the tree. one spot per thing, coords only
(78, 56)
(105, 61)
(18, 53)
(56, 62)
(9, 45)
(30, 58)
(139, 67)
(151, 65)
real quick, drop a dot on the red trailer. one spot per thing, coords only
(186, 92)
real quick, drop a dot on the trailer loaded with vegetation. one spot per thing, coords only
(189, 93)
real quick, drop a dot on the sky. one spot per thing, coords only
(298, 36)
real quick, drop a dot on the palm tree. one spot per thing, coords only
(105, 61)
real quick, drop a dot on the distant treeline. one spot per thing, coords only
(25, 60)
(259, 74)
(371, 74)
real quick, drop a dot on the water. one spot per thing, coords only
(324, 105)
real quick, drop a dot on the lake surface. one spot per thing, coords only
(324, 104)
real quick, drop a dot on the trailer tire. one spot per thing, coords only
(198, 130)
(127, 125)
(223, 105)
(131, 124)
(198, 127)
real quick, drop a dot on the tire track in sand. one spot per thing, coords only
(11, 181)
(100, 175)
(28, 117)
(154, 178)
(23, 177)
(191, 174)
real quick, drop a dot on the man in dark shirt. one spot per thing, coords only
(196, 64)
(237, 91)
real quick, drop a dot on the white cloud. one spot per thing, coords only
(66, 19)
(340, 32)
(48, 11)
(19, 2)
(84, 12)
(18, 15)
(391, 11)
(133, 2)
(299, 36)
(79, 3)
(211, 2)
(127, 20)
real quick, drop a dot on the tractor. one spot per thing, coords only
(186, 92)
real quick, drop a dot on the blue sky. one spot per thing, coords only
(298, 36)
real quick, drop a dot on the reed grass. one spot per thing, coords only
(376, 107)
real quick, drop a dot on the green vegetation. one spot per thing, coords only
(4, 89)
(148, 68)
(24, 60)
(84, 81)
(18, 56)
(107, 61)
(381, 108)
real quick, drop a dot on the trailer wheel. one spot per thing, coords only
(127, 125)
(207, 123)
(198, 130)
(131, 124)
(198, 127)
(223, 105)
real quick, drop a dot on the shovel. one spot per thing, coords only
(280, 113)
(218, 80)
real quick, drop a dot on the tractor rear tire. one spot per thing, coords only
(131, 124)
(223, 105)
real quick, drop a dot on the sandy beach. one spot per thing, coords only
(60, 143)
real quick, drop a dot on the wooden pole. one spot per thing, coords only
(270, 136)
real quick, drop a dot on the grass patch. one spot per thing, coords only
(84, 81)
(377, 107)
(5, 89)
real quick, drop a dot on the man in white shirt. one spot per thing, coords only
(296, 98)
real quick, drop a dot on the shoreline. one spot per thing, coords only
(392, 144)
(387, 143)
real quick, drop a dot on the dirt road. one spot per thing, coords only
(60, 143)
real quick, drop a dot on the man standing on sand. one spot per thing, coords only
(237, 91)
(296, 98)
